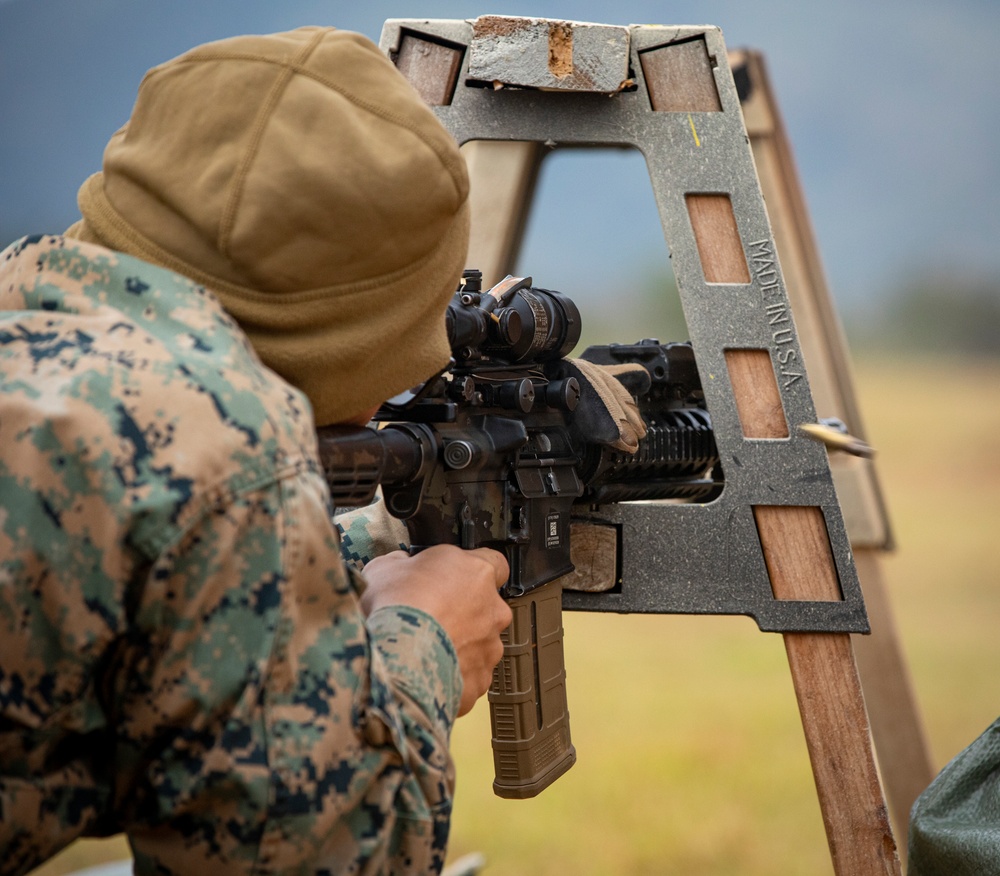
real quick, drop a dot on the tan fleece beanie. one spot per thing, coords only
(299, 177)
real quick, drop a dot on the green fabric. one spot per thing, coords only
(955, 823)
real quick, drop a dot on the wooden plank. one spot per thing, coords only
(828, 692)
(431, 67)
(755, 388)
(797, 552)
(680, 78)
(836, 729)
(904, 757)
(502, 177)
(594, 554)
(717, 237)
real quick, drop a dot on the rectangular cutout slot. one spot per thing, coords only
(717, 238)
(431, 67)
(755, 388)
(797, 553)
(679, 77)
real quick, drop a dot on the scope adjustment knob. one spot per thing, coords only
(517, 395)
(563, 394)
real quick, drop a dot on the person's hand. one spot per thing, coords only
(458, 588)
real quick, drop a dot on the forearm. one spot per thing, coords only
(333, 745)
(419, 658)
(369, 532)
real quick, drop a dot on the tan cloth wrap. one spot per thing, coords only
(618, 400)
(301, 178)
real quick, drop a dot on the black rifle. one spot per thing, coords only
(498, 451)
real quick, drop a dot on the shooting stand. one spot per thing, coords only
(777, 543)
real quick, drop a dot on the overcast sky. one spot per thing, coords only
(893, 109)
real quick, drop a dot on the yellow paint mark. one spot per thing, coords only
(694, 133)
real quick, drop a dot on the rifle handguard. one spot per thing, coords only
(528, 713)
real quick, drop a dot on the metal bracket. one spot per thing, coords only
(679, 106)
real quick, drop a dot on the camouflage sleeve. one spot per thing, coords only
(369, 532)
(278, 736)
(258, 723)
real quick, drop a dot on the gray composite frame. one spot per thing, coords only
(689, 559)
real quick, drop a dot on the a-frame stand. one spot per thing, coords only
(774, 545)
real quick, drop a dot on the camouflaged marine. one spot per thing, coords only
(183, 652)
(168, 662)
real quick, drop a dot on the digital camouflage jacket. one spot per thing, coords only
(182, 656)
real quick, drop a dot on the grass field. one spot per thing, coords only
(690, 754)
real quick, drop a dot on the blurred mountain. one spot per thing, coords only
(952, 314)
